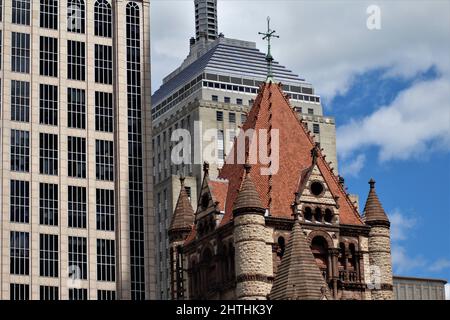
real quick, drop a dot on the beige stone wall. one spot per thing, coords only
(253, 256)
(380, 257)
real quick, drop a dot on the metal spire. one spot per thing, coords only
(268, 36)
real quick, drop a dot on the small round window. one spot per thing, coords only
(316, 188)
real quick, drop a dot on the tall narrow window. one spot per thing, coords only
(135, 167)
(78, 294)
(49, 14)
(77, 207)
(78, 257)
(48, 255)
(19, 201)
(48, 104)
(48, 63)
(104, 113)
(76, 16)
(102, 19)
(104, 160)
(76, 108)
(106, 260)
(20, 101)
(19, 253)
(48, 153)
(20, 150)
(220, 146)
(103, 64)
(48, 204)
(105, 209)
(77, 157)
(21, 12)
(76, 60)
(48, 293)
(106, 295)
(18, 291)
(20, 52)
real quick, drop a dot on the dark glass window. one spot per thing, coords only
(20, 151)
(49, 14)
(48, 293)
(78, 294)
(77, 207)
(219, 115)
(316, 128)
(106, 295)
(102, 19)
(48, 255)
(20, 52)
(76, 108)
(104, 160)
(76, 157)
(19, 291)
(48, 204)
(20, 101)
(21, 12)
(106, 260)
(48, 63)
(103, 64)
(48, 153)
(105, 209)
(76, 60)
(232, 117)
(48, 104)
(19, 253)
(19, 201)
(78, 258)
(104, 113)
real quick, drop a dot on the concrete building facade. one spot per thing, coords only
(76, 190)
(214, 89)
(410, 288)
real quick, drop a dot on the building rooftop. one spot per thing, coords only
(227, 57)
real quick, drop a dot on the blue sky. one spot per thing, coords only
(389, 90)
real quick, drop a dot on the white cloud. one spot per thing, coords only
(326, 42)
(414, 123)
(353, 168)
(447, 291)
(439, 265)
(400, 225)
(402, 262)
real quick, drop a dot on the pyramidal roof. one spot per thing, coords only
(298, 276)
(373, 210)
(183, 216)
(227, 57)
(271, 111)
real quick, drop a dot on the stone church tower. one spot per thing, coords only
(379, 246)
(242, 243)
(254, 271)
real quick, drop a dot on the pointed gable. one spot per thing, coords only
(183, 216)
(271, 111)
(298, 276)
(373, 210)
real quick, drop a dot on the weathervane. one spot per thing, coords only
(268, 36)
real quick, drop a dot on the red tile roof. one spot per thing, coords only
(218, 190)
(271, 110)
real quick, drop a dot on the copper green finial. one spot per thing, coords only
(268, 36)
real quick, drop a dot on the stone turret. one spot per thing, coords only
(379, 246)
(180, 227)
(298, 276)
(253, 261)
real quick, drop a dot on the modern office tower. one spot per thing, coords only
(76, 189)
(215, 87)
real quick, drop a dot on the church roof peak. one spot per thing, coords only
(373, 210)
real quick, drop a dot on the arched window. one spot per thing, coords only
(102, 19)
(318, 215)
(308, 214)
(319, 248)
(328, 216)
(76, 16)
(341, 261)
